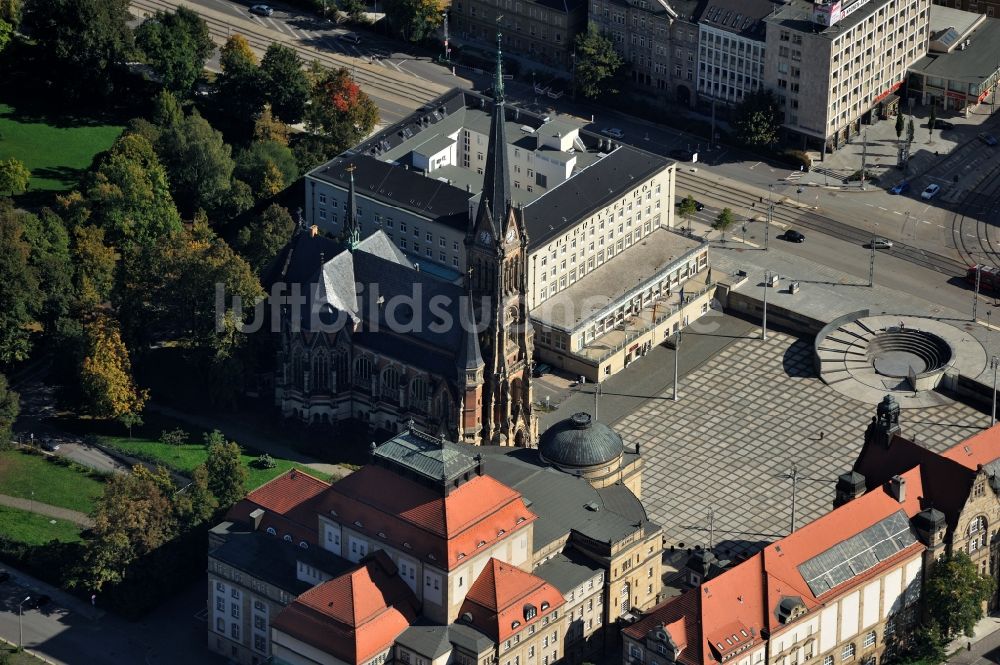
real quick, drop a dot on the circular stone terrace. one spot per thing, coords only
(865, 357)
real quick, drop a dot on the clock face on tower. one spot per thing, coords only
(511, 235)
(485, 237)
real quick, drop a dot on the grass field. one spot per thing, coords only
(67, 487)
(35, 529)
(15, 657)
(56, 153)
(185, 458)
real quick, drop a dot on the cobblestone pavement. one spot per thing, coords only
(743, 419)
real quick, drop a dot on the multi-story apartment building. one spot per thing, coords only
(842, 589)
(438, 549)
(543, 30)
(731, 49)
(835, 65)
(639, 30)
(682, 46)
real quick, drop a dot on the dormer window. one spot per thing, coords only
(514, 624)
(358, 523)
(545, 605)
(530, 612)
(287, 538)
(271, 531)
(303, 544)
(381, 534)
(480, 543)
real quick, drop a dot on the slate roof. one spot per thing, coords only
(739, 17)
(568, 570)
(499, 599)
(431, 457)
(579, 441)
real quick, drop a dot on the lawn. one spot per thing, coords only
(56, 151)
(15, 657)
(70, 487)
(184, 458)
(35, 529)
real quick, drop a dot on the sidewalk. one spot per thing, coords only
(33, 506)
(971, 649)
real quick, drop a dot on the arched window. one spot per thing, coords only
(977, 524)
(363, 369)
(297, 375)
(977, 533)
(390, 384)
(321, 372)
(340, 366)
(418, 394)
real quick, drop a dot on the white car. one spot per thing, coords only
(261, 10)
(613, 132)
(931, 191)
(881, 243)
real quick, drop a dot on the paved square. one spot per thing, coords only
(743, 419)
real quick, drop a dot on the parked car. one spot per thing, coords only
(988, 139)
(50, 445)
(880, 243)
(900, 187)
(262, 10)
(613, 132)
(930, 192)
(541, 369)
(792, 235)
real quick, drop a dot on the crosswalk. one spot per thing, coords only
(794, 175)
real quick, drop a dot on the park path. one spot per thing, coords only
(45, 509)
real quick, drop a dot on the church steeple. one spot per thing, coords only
(496, 176)
(351, 235)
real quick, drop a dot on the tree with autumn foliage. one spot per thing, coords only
(415, 20)
(240, 80)
(340, 110)
(106, 372)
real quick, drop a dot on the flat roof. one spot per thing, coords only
(942, 18)
(601, 289)
(798, 15)
(974, 65)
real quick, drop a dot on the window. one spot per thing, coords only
(235, 611)
(219, 586)
(234, 630)
(869, 639)
(260, 643)
(220, 604)
(848, 652)
(220, 625)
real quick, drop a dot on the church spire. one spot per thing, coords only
(351, 235)
(496, 177)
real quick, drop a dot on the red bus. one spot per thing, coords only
(989, 277)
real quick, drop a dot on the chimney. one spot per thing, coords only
(897, 488)
(255, 518)
(313, 231)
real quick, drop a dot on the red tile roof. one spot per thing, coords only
(679, 616)
(977, 450)
(499, 596)
(288, 501)
(445, 530)
(354, 616)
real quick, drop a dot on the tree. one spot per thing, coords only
(51, 262)
(757, 119)
(80, 41)
(262, 239)
(597, 63)
(95, 266)
(176, 46)
(128, 194)
(267, 166)
(954, 594)
(687, 208)
(18, 287)
(269, 128)
(14, 176)
(133, 517)
(106, 372)
(239, 82)
(167, 114)
(414, 20)
(10, 406)
(6, 30)
(723, 221)
(195, 503)
(199, 162)
(227, 476)
(285, 85)
(340, 110)
(10, 11)
(900, 125)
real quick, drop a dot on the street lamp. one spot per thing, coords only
(871, 259)
(994, 364)
(767, 283)
(677, 354)
(975, 295)
(20, 632)
(770, 211)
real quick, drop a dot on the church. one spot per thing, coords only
(370, 336)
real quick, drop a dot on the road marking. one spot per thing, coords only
(407, 71)
(924, 221)
(755, 165)
(881, 208)
(397, 67)
(870, 205)
(896, 212)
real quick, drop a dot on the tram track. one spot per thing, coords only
(981, 250)
(807, 219)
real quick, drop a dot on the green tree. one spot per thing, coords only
(757, 119)
(106, 372)
(900, 125)
(414, 20)
(597, 63)
(95, 266)
(18, 287)
(264, 159)
(199, 162)
(52, 263)
(240, 80)
(340, 110)
(167, 114)
(269, 128)
(239, 199)
(195, 503)
(176, 45)
(262, 239)
(723, 221)
(14, 176)
(133, 517)
(285, 85)
(954, 595)
(10, 406)
(227, 475)
(6, 31)
(687, 208)
(128, 194)
(80, 42)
